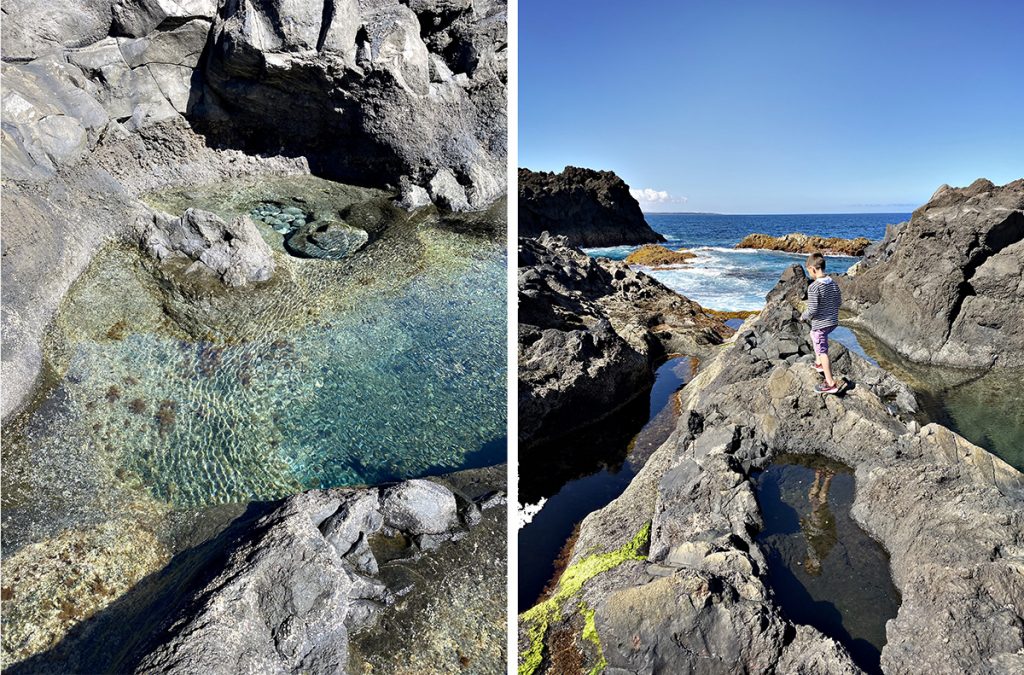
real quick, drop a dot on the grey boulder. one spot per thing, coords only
(234, 252)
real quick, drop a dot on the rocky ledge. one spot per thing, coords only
(587, 207)
(653, 255)
(288, 586)
(946, 287)
(802, 243)
(591, 333)
(669, 576)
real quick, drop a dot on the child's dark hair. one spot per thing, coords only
(817, 261)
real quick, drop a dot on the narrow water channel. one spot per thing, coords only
(825, 570)
(592, 469)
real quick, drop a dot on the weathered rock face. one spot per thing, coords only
(590, 334)
(587, 207)
(285, 586)
(802, 243)
(304, 577)
(946, 287)
(669, 576)
(367, 91)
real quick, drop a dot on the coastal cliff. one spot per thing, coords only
(587, 207)
(945, 287)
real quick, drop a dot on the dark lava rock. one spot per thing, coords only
(587, 207)
(690, 594)
(283, 587)
(590, 335)
(946, 287)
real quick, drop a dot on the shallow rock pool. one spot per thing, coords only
(163, 408)
(825, 571)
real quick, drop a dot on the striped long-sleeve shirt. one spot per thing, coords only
(823, 300)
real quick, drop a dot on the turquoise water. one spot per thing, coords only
(725, 278)
(398, 370)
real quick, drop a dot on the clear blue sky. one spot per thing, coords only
(775, 107)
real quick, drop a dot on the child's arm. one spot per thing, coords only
(812, 304)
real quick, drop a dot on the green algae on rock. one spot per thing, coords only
(538, 618)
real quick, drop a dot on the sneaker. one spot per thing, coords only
(817, 367)
(826, 389)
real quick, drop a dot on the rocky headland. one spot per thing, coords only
(803, 243)
(310, 583)
(587, 207)
(946, 287)
(670, 577)
(591, 333)
(653, 255)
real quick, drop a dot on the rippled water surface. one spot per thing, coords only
(387, 365)
(407, 380)
(825, 570)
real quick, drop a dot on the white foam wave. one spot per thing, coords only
(527, 512)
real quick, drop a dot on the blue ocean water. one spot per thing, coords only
(725, 278)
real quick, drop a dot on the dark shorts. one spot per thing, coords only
(819, 338)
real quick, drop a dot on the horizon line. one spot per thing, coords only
(793, 213)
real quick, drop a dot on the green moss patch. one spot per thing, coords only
(538, 618)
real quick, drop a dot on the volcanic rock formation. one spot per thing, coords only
(587, 207)
(802, 243)
(102, 100)
(947, 287)
(669, 576)
(591, 333)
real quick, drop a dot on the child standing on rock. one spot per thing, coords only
(823, 300)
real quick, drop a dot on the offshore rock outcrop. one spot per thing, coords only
(286, 586)
(802, 243)
(587, 207)
(591, 333)
(656, 256)
(946, 287)
(693, 590)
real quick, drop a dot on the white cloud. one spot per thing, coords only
(649, 196)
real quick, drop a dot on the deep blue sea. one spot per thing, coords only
(722, 277)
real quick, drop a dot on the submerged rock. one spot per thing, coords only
(233, 252)
(329, 241)
(591, 333)
(946, 287)
(587, 207)
(949, 514)
(802, 243)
